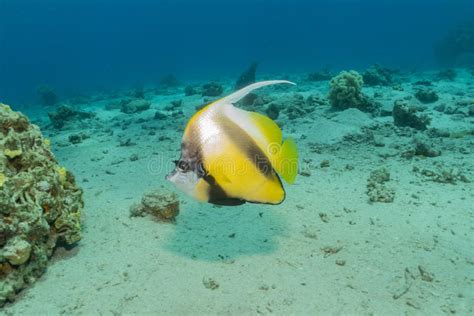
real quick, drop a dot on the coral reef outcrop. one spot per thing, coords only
(40, 204)
(346, 92)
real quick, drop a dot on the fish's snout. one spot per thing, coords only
(170, 175)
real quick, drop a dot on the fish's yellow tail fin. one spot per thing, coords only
(285, 162)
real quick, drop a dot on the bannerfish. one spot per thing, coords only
(230, 156)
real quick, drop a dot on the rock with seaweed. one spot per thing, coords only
(378, 76)
(406, 115)
(161, 204)
(47, 95)
(134, 106)
(212, 89)
(346, 92)
(426, 95)
(65, 113)
(247, 77)
(40, 204)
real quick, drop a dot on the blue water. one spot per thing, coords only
(75, 45)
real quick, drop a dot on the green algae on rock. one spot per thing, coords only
(40, 204)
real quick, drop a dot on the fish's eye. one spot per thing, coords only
(182, 165)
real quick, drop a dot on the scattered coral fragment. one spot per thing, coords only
(376, 186)
(161, 204)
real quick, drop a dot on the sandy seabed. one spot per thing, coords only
(326, 250)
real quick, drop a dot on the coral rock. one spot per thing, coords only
(40, 204)
(212, 89)
(161, 204)
(135, 106)
(406, 115)
(426, 95)
(377, 76)
(65, 114)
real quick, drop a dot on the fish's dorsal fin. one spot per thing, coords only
(239, 94)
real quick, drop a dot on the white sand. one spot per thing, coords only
(274, 263)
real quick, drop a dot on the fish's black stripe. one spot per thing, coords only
(248, 146)
(192, 152)
(217, 195)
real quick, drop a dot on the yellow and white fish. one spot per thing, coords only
(230, 156)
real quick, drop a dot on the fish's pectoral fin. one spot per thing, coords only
(285, 162)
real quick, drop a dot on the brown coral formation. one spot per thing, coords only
(40, 204)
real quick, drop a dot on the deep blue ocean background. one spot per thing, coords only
(75, 46)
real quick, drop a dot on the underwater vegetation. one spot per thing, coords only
(40, 204)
